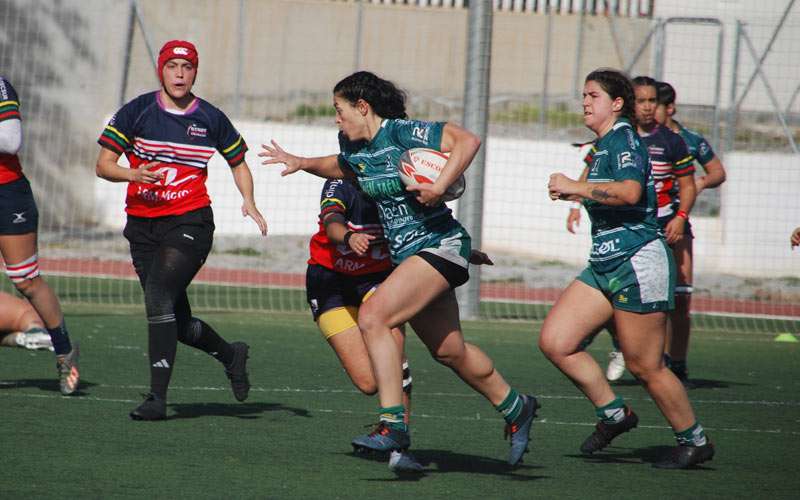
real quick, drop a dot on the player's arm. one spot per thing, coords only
(794, 239)
(675, 228)
(574, 216)
(327, 167)
(338, 232)
(107, 168)
(462, 145)
(715, 175)
(615, 193)
(10, 136)
(243, 179)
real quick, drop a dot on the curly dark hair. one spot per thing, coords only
(386, 99)
(616, 84)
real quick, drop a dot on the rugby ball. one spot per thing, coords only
(423, 166)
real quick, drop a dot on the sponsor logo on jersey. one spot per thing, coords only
(421, 134)
(195, 130)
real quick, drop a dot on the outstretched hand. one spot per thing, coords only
(274, 154)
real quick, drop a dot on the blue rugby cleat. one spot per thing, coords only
(520, 430)
(383, 438)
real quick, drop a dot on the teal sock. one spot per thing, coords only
(394, 417)
(693, 436)
(613, 412)
(511, 406)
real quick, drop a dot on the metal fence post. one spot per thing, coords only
(543, 104)
(577, 84)
(237, 96)
(476, 109)
(732, 107)
(126, 65)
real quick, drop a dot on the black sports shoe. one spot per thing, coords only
(686, 456)
(237, 371)
(520, 430)
(152, 408)
(604, 433)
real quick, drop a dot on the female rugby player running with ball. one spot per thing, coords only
(427, 245)
(630, 279)
(169, 136)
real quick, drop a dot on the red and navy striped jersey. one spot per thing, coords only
(670, 159)
(145, 131)
(341, 196)
(10, 167)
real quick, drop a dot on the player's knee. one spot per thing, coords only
(191, 334)
(25, 275)
(449, 355)
(366, 385)
(369, 320)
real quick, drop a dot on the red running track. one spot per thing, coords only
(491, 291)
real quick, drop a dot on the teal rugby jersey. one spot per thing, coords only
(408, 225)
(618, 232)
(698, 147)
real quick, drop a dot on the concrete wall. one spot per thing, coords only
(750, 238)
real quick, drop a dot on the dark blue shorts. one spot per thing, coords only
(326, 289)
(18, 213)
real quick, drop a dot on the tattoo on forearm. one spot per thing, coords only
(601, 194)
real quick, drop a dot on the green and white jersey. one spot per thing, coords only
(619, 231)
(408, 225)
(698, 146)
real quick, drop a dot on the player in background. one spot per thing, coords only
(20, 326)
(19, 220)
(168, 137)
(673, 171)
(794, 239)
(630, 279)
(702, 153)
(427, 245)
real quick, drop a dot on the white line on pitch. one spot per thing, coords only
(420, 415)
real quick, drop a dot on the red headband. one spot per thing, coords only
(176, 49)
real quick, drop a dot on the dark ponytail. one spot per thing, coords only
(386, 100)
(616, 84)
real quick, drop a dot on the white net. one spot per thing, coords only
(74, 64)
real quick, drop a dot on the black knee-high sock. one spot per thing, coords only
(200, 335)
(163, 343)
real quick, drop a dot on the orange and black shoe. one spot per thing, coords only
(383, 438)
(604, 433)
(68, 374)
